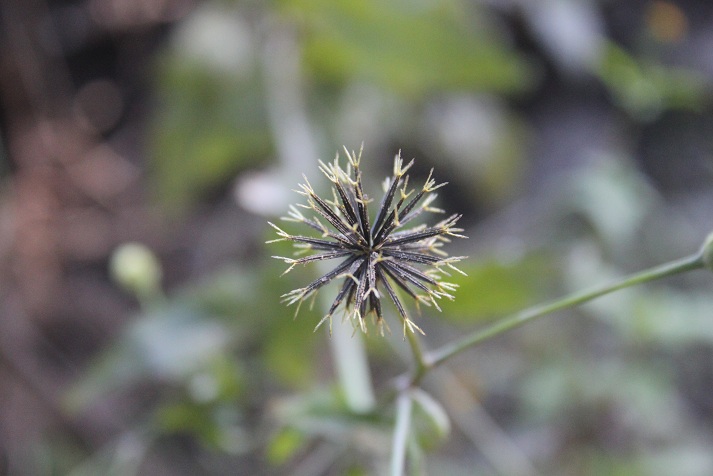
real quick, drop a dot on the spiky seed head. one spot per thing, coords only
(377, 255)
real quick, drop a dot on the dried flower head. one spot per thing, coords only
(377, 253)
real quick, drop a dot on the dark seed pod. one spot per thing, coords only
(376, 257)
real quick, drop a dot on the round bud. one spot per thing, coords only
(136, 269)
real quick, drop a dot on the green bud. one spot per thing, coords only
(135, 268)
(707, 252)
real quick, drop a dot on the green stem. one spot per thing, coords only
(439, 356)
(401, 433)
(350, 362)
(422, 365)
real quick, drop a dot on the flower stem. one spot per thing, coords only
(421, 365)
(351, 366)
(513, 321)
(401, 433)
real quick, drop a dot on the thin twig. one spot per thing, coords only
(513, 321)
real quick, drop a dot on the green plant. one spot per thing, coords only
(373, 256)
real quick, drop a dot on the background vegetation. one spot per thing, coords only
(577, 138)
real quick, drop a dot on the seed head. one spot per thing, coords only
(378, 256)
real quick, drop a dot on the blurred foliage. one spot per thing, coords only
(208, 129)
(409, 49)
(210, 122)
(495, 287)
(352, 440)
(229, 365)
(644, 88)
(612, 197)
(431, 424)
(198, 347)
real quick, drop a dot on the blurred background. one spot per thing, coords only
(577, 140)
